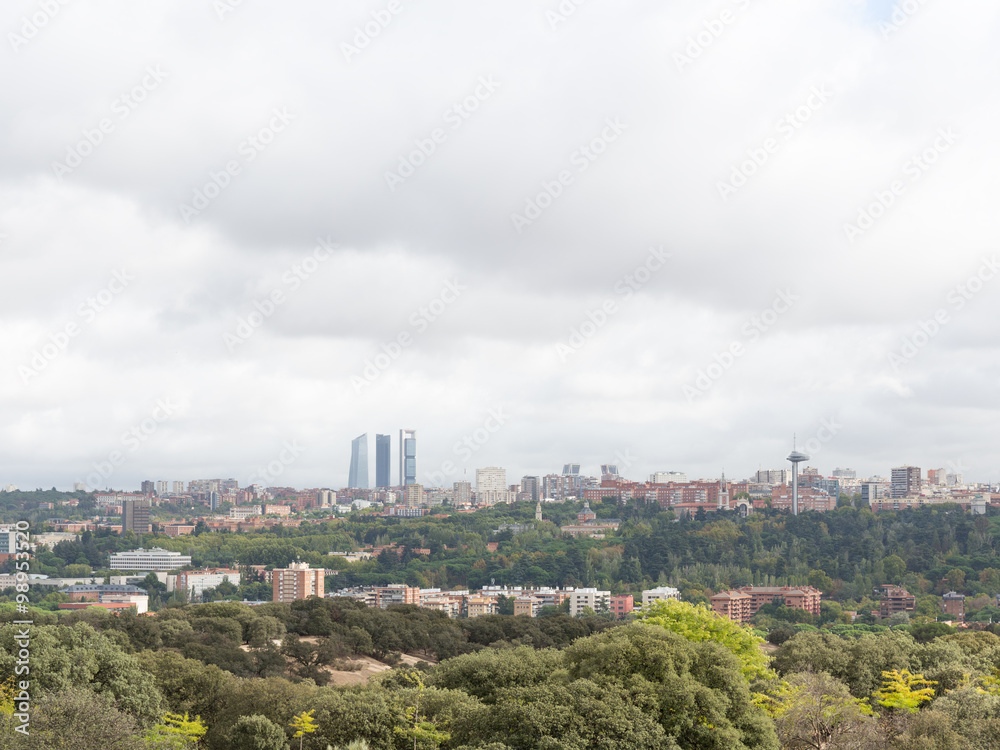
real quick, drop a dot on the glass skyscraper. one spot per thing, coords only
(383, 444)
(358, 476)
(407, 457)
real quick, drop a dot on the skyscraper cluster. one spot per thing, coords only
(358, 476)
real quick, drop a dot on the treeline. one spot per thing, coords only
(678, 678)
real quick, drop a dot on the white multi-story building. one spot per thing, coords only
(491, 479)
(244, 511)
(196, 581)
(660, 592)
(148, 559)
(8, 539)
(662, 477)
(161, 487)
(593, 598)
(178, 488)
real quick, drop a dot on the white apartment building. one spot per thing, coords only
(593, 598)
(663, 477)
(491, 479)
(244, 511)
(196, 581)
(148, 559)
(660, 592)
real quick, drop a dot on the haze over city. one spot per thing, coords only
(555, 233)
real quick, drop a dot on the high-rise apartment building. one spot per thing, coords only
(407, 457)
(773, 476)
(905, 481)
(491, 479)
(147, 487)
(383, 477)
(871, 492)
(839, 473)
(358, 475)
(413, 495)
(161, 488)
(297, 581)
(178, 488)
(135, 516)
(532, 486)
(213, 501)
(463, 492)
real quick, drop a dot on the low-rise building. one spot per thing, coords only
(109, 594)
(148, 559)
(595, 599)
(660, 593)
(896, 599)
(621, 605)
(194, 582)
(742, 604)
(476, 606)
(733, 605)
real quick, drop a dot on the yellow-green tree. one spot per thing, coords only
(423, 733)
(7, 693)
(903, 690)
(303, 724)
(698, 623)
(177, 732)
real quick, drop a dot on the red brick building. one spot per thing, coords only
(743, 604)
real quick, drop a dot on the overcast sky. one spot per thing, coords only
(664, 235)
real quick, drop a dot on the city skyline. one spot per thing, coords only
(670, 251)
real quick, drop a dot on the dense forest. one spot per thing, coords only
(225, 676)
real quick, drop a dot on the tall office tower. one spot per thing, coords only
(407, 457)
(463, 492)
(148, 488)
(609, 471)
(905, 481)
(571, 469)
(531, 485)
(357, 478)
(796, 458)
(491, 479)
(161, 488)
(213, 501)
(135, 516)
(383, 477)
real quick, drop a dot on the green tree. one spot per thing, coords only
(257, 732)
(79, 719)
(894, 568)
(818, 711)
